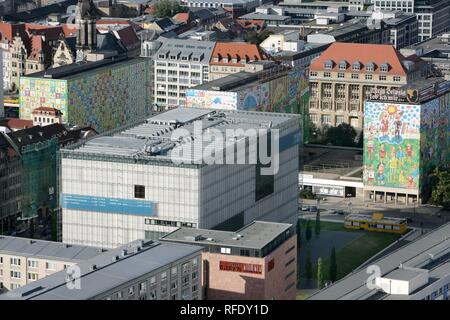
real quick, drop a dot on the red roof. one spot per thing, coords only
(248, 24)
(363, 53)
(242, 51)
(183, 17)
(128, 37)
(16, 124)
(52, 111)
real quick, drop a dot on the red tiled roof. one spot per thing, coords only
(183, 17)
(247, 24)
(16, 124)
(239, 50)
(364, 53)
(8, 31)
(52, 111)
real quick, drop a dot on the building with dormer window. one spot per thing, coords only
(341, 77)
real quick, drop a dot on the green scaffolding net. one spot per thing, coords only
(39, 177)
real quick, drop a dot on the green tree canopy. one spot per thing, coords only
(167, 8)
(441, 192)
(342, 135)
(320, 274)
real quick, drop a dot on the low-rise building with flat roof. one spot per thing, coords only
(136, 271)
(23, 261)
(258, 261)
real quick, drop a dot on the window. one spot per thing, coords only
(327, 74)
(131, 291)
(185, 268)
(174, 271)
(384, 67)
(370, 66)
(341, 75)
(15, 261)
(194, 275)
(164, 276)
(355, 76)
(174, 285)
(50, 266)
(1, 260)
(32, 276)
(382, 78)
(343, 65)
(326, 118)
(143, 287)
(368, 77)
(328, 64)
(396, 78)
(313, 74)
(356, 66)
(195, 262)
(139, 192)
(32, 264)
(152, 280)
(15, 274)
(225, 250)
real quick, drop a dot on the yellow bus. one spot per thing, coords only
(375, 222)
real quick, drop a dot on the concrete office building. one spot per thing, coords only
(341, 76)
(403, 27)
(433, 15)
(178, 65)
(435, 51)
(257, 262)
(125, 185)
(137, 271)
(23, 261)
(420, 270)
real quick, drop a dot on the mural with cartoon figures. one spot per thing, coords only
(391, 145)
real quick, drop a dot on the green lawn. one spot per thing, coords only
(355, 252)
(358, 251)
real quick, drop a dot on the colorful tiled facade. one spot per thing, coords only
(103, 98)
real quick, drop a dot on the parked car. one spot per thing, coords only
(340, 212)
(409, 220)
(305, 208)
(312, 209)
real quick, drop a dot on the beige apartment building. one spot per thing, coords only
(23, 261)
(342, 76)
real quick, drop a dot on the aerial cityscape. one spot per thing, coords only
(264, 150)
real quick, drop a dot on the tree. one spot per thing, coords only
(320, 275)
(317, 226)
(299, 233)
(308, 264)
(342, 135)
(333, 265)
(441, 192)
(167, 9)
(255, 37)
(308, 232)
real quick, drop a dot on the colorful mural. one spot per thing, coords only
(37, 92)
(211, 99)
(103, 98)
(391, 145)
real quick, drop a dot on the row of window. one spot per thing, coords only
(355, 76)
(32, 263)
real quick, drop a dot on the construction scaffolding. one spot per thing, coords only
(39, 177)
